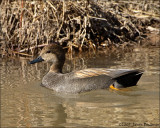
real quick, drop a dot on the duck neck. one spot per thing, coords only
(56, 68)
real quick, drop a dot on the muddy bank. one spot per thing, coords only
(80, 25)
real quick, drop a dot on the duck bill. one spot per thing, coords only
(38, 59)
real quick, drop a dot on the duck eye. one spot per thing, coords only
(48, 52)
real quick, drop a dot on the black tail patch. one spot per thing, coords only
(127, 79)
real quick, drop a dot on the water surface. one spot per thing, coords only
(24, 103)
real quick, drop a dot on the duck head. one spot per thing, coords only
(52, 53)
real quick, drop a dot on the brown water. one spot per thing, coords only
(24, 103)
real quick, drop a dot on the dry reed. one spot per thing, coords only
(79, 24)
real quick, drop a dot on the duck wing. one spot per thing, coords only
(91, 72)
(121, 78)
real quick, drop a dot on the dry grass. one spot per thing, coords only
(81, 24)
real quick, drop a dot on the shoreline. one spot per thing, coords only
(28, 26)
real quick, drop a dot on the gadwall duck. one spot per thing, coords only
(82, 80)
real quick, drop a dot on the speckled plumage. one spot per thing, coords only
(83, 80)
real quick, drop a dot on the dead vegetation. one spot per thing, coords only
(76, 25)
